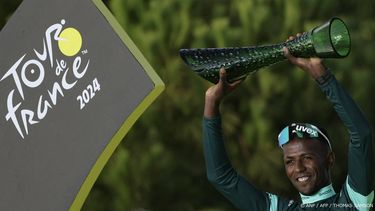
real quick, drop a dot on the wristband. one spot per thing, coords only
(324, 78)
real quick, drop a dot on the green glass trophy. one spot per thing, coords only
(330, 40)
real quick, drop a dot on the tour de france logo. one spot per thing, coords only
(69, 63)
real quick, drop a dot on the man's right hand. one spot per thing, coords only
(215, 94)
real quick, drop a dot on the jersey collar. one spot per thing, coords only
(322, 194)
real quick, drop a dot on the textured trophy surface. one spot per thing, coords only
(330, 40)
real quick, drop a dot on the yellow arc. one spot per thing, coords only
(70, 41)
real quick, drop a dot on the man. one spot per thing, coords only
(308, 155)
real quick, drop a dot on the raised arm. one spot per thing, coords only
(220, 172)
(360, 181)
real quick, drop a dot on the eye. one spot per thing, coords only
(289, 162)
(307, 157)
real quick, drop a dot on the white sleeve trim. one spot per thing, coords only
(273, 201)
(362, 203)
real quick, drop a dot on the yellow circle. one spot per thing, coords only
(70, 41)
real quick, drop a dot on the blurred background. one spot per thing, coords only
(160, 164)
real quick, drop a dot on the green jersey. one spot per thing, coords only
(356, 193)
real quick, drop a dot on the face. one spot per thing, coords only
(307, 164)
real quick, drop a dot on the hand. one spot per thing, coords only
(215, 94)
(313, 66)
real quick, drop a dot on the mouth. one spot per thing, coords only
(303, 179)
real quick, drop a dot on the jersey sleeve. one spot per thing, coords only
(360, 179)
(224, 178)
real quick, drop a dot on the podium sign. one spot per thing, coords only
(71, 85)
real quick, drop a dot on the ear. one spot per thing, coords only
(331, 159)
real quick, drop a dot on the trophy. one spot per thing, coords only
(330, 40)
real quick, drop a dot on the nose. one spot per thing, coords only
(300, 167)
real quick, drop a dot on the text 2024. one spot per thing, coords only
(88, 93)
